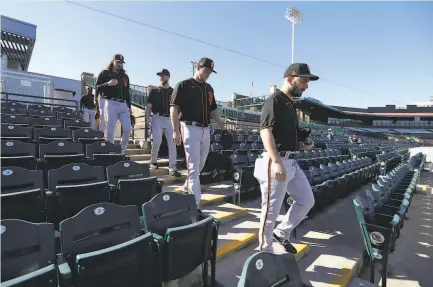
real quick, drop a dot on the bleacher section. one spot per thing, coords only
(81, 213)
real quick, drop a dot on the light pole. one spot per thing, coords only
(193, 67)
(295, 16)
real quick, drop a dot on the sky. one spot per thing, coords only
(366, 53)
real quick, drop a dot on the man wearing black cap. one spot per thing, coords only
(113, 87)
(277, 170)
(159, 104)
(192, 106)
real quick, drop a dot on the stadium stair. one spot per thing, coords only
(238, 237)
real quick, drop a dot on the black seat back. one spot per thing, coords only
(16, 119)
(50, 134)
(22, 194)
(27, 247)
(167, 210)
(11, 132)
(102, 148)
(17, 153)
(76, 186)
(75, 124)
(87, 135)
(45, 122)
(266, 269)
(41, 114)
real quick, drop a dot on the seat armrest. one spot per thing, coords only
(49, 205)
(64, 271)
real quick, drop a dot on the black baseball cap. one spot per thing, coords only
(207, 63)
(301, 70)
(164, 72)
(119, 57)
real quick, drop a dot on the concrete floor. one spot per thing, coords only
(411, 264)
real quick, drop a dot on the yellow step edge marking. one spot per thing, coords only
(179, 189)
(344, 275)
(171, 178)
(210, 198)
(302, 249)
(233, 244)
(227, 215)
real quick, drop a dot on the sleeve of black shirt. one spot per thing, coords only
(101, 82)
(213, 105)
(151, 98)
(268, 116)
(126, 95)
(177, 98)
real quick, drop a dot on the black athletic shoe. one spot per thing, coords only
(200, 215)
(153, 166)
(174, 173)
(286, 244)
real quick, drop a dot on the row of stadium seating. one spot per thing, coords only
(105, 244)
(381, 211)
(65, 122)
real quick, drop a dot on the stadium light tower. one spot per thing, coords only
(295, 16)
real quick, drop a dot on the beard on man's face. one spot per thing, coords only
(164, 82)
(295, 92)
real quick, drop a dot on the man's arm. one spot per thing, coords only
(216, 116)
(126, 94)
(267, 122)
(101, 83)
(176, 105)
(214, 113)
(149, 106)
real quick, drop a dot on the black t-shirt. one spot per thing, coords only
(279, 112)
(119, 91)
(160, 99)
(88, 101)
(195, 101)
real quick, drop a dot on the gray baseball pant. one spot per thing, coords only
(196, 141)
(89, 117)
(117, 111)
(162, 125)
(102, 117)
(273, 192)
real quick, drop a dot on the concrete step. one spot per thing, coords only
(136, 150)
(161, 161)
(358, 282)
(330, 266)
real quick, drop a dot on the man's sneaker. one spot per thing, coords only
(153, 166)
(286, 244)
(174, 173)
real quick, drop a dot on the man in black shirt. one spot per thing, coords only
(113, 86)
(88, 106)
(277, 170)
(192, 106)
(159, 104)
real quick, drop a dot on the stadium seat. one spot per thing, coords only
(117, 253)
(16, 132)
(22, 194)
(75, 186)
(186, 243)
(15, 105)
(38, 108)
(68, 116)
(74, 124)
(19, 154)
(16, 119)
(45, 122)
(50, 134)
(379, 240)
(63, 110)
(266, 270)
(57, 154)
(87, 136)
(132, 184)
(104, 154)
(28, 254)
(41, 114)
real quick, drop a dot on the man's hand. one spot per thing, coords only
(177, 139)
(280, 173)
(112, 82)
(308, 144)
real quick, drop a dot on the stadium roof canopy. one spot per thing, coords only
(17, 40)
(312, 105)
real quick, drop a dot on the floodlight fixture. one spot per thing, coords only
(295, 16)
